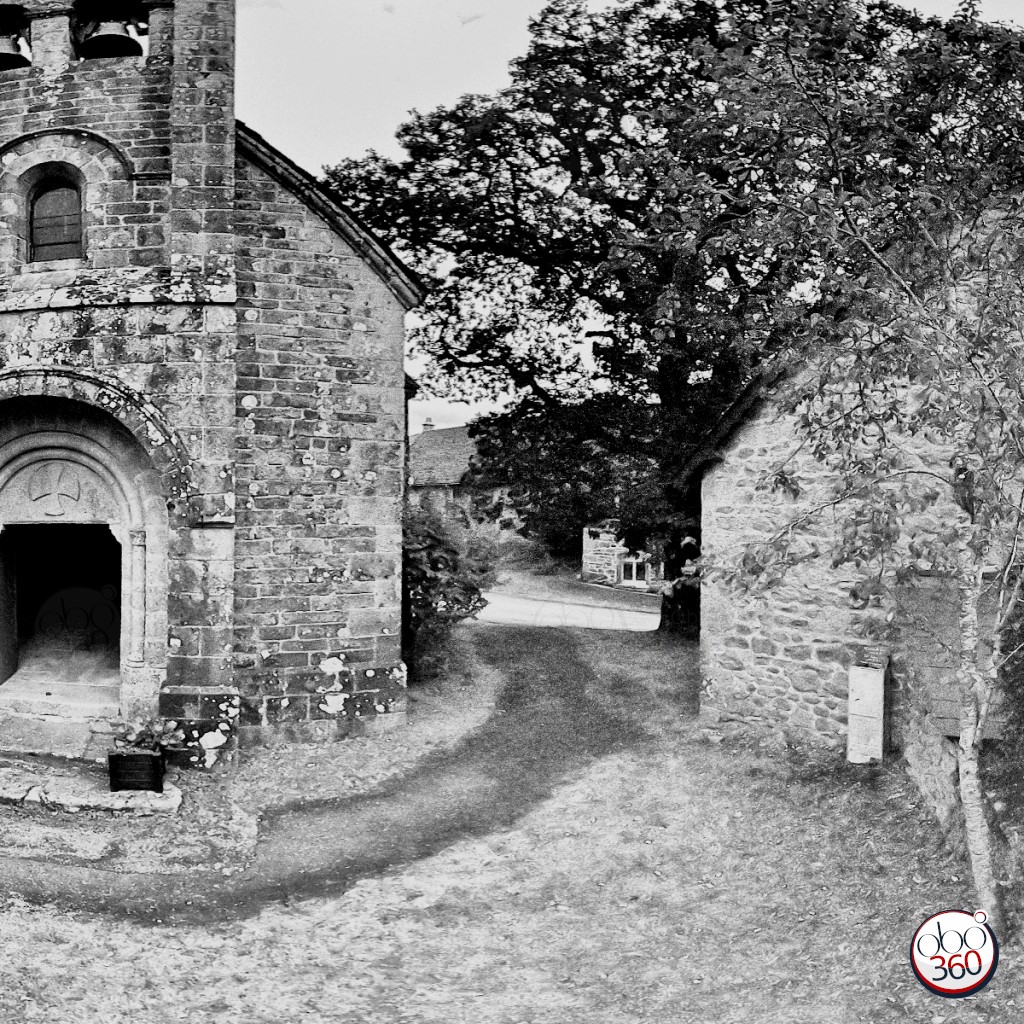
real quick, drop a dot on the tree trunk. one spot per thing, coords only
(680, 606)
(680, 613)
(977, 682)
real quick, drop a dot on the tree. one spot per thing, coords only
(542, 217)
(559, 468)
(705, 193)
(917, 404)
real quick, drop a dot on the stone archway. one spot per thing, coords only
(82, 514)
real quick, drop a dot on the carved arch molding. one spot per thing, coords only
(62, 478)
(64, 462)
(128, 407)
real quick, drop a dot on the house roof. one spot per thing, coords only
(328, 204)
(440, 457)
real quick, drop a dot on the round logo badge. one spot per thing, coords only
(954, 953)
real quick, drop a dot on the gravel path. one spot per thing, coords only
(543, 728)
(508, 609)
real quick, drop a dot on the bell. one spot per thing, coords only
(11, 56)
(110, 39)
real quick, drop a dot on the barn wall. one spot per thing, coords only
(781, 656)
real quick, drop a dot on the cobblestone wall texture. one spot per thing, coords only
(781, 656)
(321, 411)
(249, 337)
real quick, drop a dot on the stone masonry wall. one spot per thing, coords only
(120, 106)
(320, 467)
(254, 355)
(144, 325)
(603, 555)
(602, 552)
(782, 655)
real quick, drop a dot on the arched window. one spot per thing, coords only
(56, 222)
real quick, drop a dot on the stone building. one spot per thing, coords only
(441, 477)
(782, 656)
(201, 397)
(439, 465)
(607, 559)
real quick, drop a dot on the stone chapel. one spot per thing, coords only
(201, 398)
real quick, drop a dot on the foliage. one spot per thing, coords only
(148, 734)
(560, 474)
(707, 192)
(910, 191)
(650, 183)
(538, 225)
(445, 567)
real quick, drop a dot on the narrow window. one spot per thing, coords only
(57, 223)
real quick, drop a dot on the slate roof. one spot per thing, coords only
(440, 457)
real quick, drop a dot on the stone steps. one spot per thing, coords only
(92, 703)
(54, 785)
(60, 702)
(58, 734)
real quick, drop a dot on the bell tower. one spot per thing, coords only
(118, 327)
(155, 80)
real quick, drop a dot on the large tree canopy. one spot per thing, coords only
(669, 194)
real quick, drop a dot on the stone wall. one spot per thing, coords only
(320, 462)
(781, 655)
(143, 326)
(249, 337)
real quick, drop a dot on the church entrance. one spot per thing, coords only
(82, 616)
(61, 587)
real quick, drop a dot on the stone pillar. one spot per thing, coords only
(161, 30)
(50, 36)
(8, 615)
(203, 157)
(137, 599)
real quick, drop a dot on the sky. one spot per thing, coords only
(328, 79)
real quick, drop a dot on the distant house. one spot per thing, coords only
(440, 476)
(606, 559)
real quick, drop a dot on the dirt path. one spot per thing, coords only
(511, 610)
(689, 877)
(544, 727)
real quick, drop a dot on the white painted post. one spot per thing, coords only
(868, 713)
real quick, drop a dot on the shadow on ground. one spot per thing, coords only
(544, 727)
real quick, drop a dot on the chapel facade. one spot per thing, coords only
(201, 398)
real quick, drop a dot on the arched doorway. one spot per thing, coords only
(62, 617)
(83, 536)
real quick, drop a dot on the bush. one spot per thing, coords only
(446, 566)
